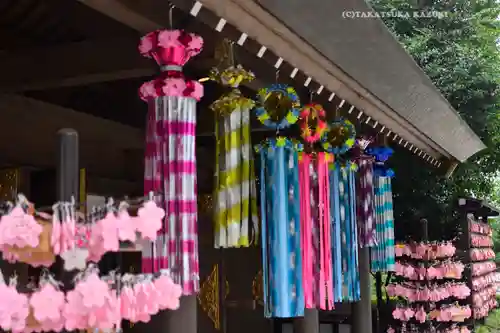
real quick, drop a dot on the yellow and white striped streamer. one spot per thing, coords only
(235, 205)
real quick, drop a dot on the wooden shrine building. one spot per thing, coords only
(75, 64)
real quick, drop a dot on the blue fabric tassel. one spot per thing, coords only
(280, 214)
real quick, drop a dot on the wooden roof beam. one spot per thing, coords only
(94, 61)
(125, 13)
(28, 137)
(73, 64)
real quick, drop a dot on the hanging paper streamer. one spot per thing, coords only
(345, 235)
(235, 192)
(316, 235)
(170, 159)
(280, 215)
(364, 187)
(336, 234)
(382, 255)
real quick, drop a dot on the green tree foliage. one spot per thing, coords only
(458, 51)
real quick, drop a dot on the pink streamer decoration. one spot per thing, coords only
(324, 248)
(306, 227)
(325, 230)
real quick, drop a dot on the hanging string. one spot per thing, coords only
(232, 54)
(170, 16)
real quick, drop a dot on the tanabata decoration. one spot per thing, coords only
(442, 270)
(278, 106)
(315, 226)
(66, 233)
(170, 159)
(482, 254)
(484, 278)
(484, 296)
(281, 234)
(428, 293)
(481, 268)
(425, 250)
(446, 313)
(340, 137)
(382, 254)
(344, 231)
(235, 194)
(479, 227)
(481, 282)
(25, 237)
(481, 241)
(312, 114)
(365, 210)
(410, 327)
(96, 302)
(485, 308)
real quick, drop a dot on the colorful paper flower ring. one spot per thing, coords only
(279, 142)
(279, 106)
(308, 114)
(340, 138)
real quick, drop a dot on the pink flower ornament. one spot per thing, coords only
(147, 43)
(68, 235)
(109, 232)
(93, 290)
(195, 45)
(127, 303)
(55, 236)
(408, 313)
(48, 304)
(13, 316)
(126, 227)
(169, 292)
(19, 229)
(420, 315)
(398, 314)
(198, 90)
(174, 87)
(147, 91)
(149, 220)
(169, 38)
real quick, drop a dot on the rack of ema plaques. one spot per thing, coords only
(481, 272)
(428, 291)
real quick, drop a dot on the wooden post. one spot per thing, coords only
(308, 324)
(362, 310)
(464, 246)
(67, 165)
(183, 320)
(378, 287)
(67, 177)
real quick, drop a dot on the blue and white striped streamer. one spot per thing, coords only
(382, 255)
(280, 214)
(344, 198)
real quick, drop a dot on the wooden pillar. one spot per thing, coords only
(362, 310)
(182, 320)
(68, 171)
(308, 324)
(67, 179)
